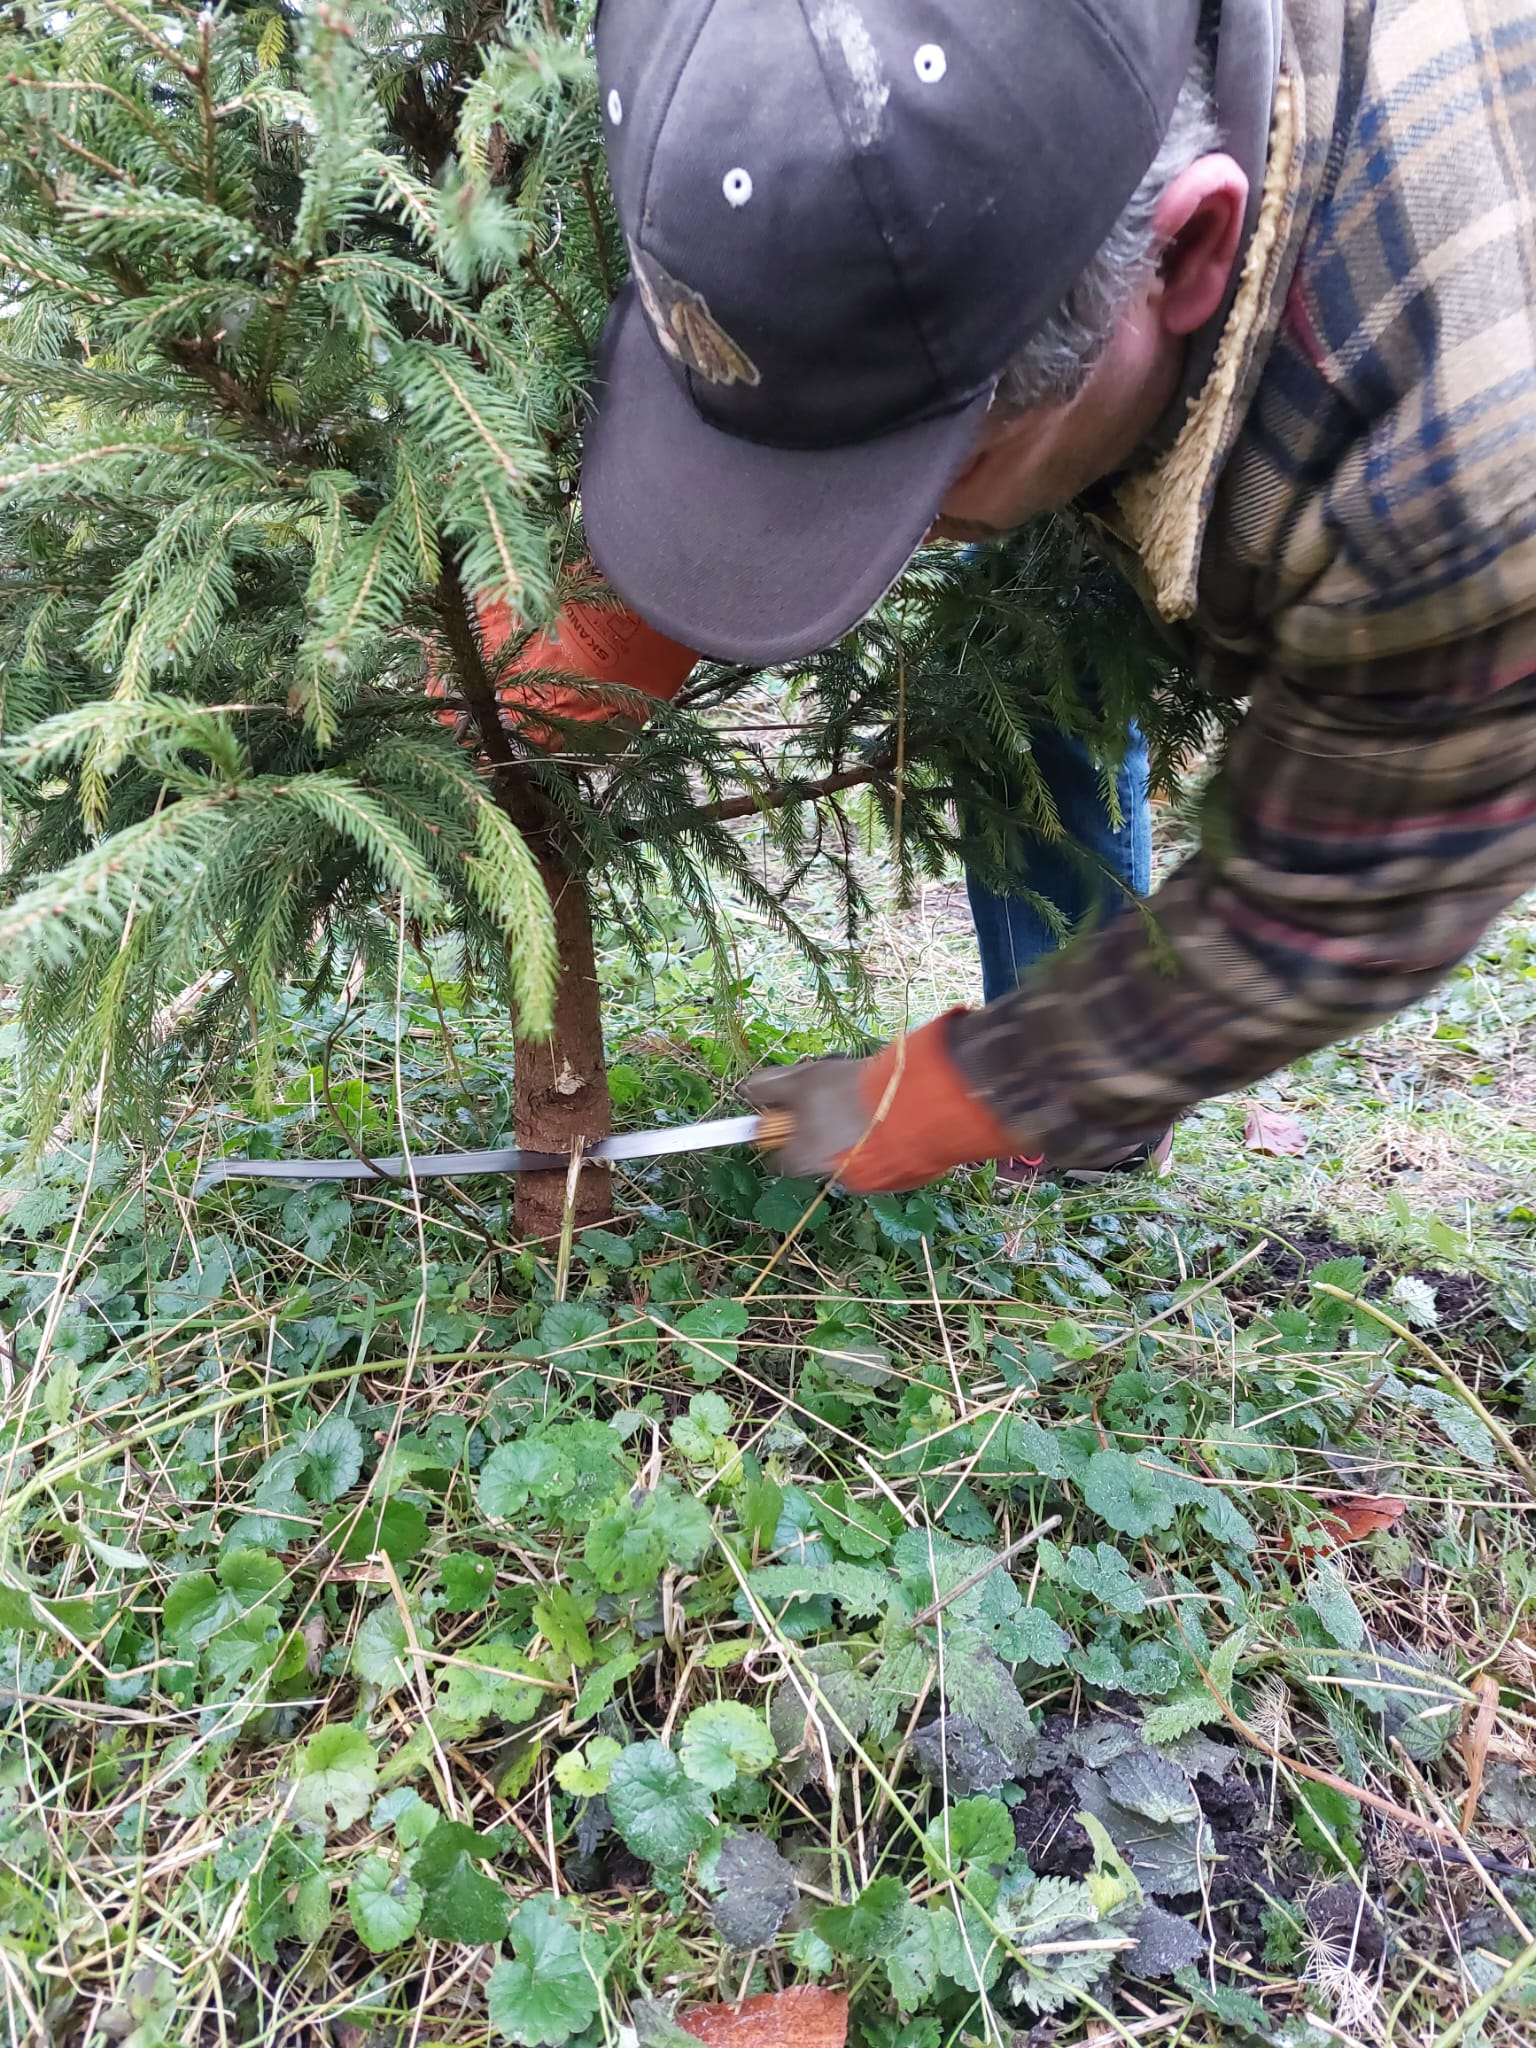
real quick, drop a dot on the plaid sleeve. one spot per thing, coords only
(1367, 826)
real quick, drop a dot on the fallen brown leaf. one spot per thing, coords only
(1476, 1734)
(1350, 1519)
(1273, 1132)
(805, 2018)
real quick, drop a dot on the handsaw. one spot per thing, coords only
(768, 1130)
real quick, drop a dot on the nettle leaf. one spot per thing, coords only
(860, 1591)
(838, 1712)
(1333, 1604)
(385, 1905)
(1032, 1637)
(871, 1925)
(966, 1949)
(1152, 1785)
(757, 1891)
(858, 1529)
(973, 1831)
(548, 1990)
(1165, 1856)
(720, 1320)
(336, 1776)
(461, 1903)
(660, 1811)
(955, 1753)
(1104, 1574)
(332, 1459)
(1126, 1494)
(722, 1741)
(979, 1686)
(1165, 1942)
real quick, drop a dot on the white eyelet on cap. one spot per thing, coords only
(615, 107)
(737, 186)
(930, 63)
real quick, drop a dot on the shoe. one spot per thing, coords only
(1155, 1156)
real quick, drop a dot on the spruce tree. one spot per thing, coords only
(297, 307)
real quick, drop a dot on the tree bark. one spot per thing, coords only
(560, 1084)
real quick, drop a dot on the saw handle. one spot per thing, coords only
(775, 1127)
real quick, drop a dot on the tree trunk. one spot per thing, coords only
(560, 1084)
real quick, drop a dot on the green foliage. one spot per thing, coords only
(337, 1772)
(547, 1991)
(647, 1620)
(299, 316)
(662, 1813)
(723, 1741)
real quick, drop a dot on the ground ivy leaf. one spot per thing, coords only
(336, 1776)
(202, 1603)
(333, 1458)
(721, 1320)
(978, 1830)
(658, 1809)
(584, 1772)
(723, 1740)
(1126, 1494)
(396, 1527)
(512, 1474)
(912, 1963)
(871, 1925)
(487, 1681)
(385, 1905)
(468, 1581)
(547, 1991)
(462, 1904)
(757, 1891)
(379, 1653)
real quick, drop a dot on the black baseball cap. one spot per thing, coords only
(844, 219)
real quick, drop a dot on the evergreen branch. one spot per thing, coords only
(792, 790)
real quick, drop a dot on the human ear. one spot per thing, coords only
(1199, 224)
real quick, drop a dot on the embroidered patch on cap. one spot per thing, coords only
(685, 327)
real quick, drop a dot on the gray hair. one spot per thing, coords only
(1056, 361)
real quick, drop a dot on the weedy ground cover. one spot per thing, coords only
(1050, 1617)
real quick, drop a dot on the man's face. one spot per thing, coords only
(1028, 463)
(1033, 462)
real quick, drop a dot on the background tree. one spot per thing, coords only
(298, 306)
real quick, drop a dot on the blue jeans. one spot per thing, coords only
(1079, 875)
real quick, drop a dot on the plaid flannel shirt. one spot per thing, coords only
(1345, 534)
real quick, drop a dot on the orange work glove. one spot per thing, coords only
(595, 644)
(882, 1124)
